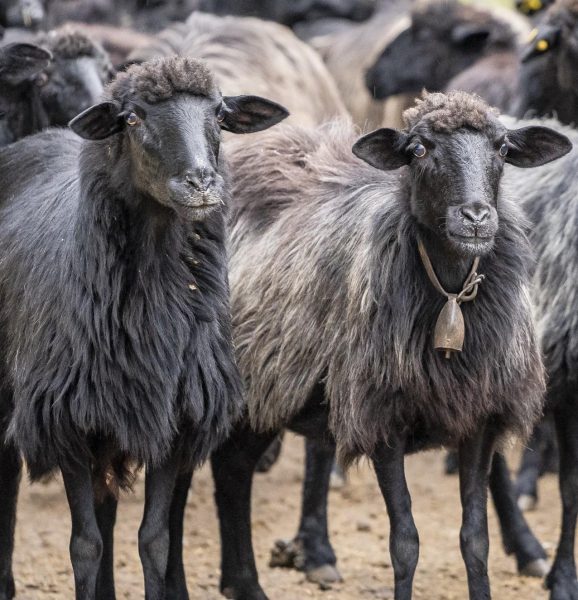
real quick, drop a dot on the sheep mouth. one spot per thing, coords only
(472, 244)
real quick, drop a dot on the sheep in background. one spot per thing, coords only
(71, 81)
(290, 12)
(348, 54)
(445, 39)
(549, 70)
(550, 201)
(114, 318)
(248, 54)
(333, 311)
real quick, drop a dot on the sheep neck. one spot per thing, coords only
(451, 269)
(130, 222)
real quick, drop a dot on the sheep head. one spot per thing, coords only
(455, 148)
(162, 124)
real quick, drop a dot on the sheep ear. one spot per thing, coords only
(98, 122)
(383, 149)
(247, 114)
(535, 146)
(20, 62)
(470, 35)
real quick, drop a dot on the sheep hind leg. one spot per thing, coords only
(475, 455)
(562, 578)
(531, 467)
(10, 470)
(517, 536)
(388, 462)
(233, 465)
(106, 518)
(176, 583)
(154, 535)
(310, 550)
(85, 540)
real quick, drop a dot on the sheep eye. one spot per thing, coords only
(542, 45)
(503, 150)
(41, 79)
(221, 114)
(419, 150)
(131, 119)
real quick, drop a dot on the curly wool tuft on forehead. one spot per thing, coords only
(68, 43)
(162, 78)
(450, 111)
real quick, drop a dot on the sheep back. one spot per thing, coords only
(248, 55)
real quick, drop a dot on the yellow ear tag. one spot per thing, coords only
(542, 45)
(535, 5)
(532, 35)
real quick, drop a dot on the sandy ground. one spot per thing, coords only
(358, 524)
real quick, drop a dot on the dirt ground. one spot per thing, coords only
(358, 523)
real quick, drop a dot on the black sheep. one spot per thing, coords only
(71, 81)
(291, 12)
(114, 309)
(550, 202)
(334, 312)
(549, 72)
(445, 38)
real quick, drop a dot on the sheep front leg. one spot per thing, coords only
(388, 462)
(10, 469)
(475, 456)
(562, 578)
(311, 549)
(106, 519)
(176, 583)
(153, 535)
(85, 539)
(233, 465)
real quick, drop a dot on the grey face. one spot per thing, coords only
(174, 151)
(455, 186)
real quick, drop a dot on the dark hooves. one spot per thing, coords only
(244, 592)
(324, 576)
(536, 568)
(291, 555)
(527, 503)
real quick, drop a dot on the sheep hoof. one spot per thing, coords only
(536, 568)
(288, 554)
(324, 576)
(527, 503)
(244, 593)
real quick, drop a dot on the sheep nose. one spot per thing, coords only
(201, 179)
(475, 213)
